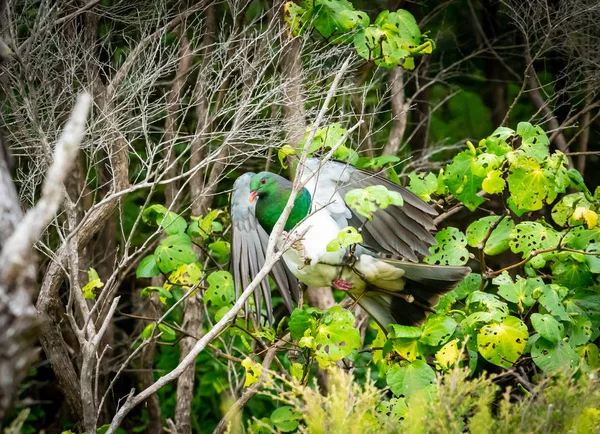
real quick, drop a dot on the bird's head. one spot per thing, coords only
(262, 184)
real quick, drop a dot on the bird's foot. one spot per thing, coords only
(350, 259)
(342, 285)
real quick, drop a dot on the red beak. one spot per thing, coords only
(253, 195)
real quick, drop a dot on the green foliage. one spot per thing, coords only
(328, 336)
(94, 282)
(450, 248)
(366, 201)
(393, 39)
(345, 238)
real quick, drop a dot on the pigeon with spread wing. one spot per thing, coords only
(381, 274)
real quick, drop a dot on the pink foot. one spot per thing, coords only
(342, 285)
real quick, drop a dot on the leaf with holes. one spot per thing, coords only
(335, 337)
(405, 378)
(437, 330)
(498, 240)
(171, 222)
(450, 248)
(423, 185)
(585, 303)
(528, 236)
(479, 300)
(345, 238)
(462, 182)
(448, 355)
(535, 141)
(174, 251)
(550, 356)
(563, 210)
(220, 291)
(581, 330)
(502, 343)
(528, 184)
(407, 348)
(547, 327)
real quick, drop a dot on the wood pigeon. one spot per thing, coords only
(381, 274)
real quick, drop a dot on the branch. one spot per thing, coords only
(18, 247)
(399, 112)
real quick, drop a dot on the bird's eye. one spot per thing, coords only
(262, 181)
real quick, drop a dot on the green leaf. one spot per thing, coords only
(295, 17)
(591, 354)
(581, 330)
(502, 343)
(376, 162)
(423, 185)
(94, 282)
(585, 303)
(547, 327)
(528, 236)
(493, 183)
(489, 302)
(528, 184)
(221, 290)
(563, 210)
(461, 181)
(285, 419)
(519, 292)
(147, 332)
(407, 348)
(551, 357)
(300, 321)
(283, 153)
(171, 222)
(402, 331)
(503, 133)
(437, 330)
(448, 355)
(220, 251)
(450, 249)
(147, 267)
(174, 251)
(335, 337)
(535, 142)
(168, 334)
(572, 274)
(551, 300)
(404, 379)
(345, 238)
(366, 201)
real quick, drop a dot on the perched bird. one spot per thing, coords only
(397, 290)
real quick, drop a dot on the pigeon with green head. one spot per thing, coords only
(381, 274)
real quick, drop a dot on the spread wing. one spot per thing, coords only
(248, 248)
(399, 231)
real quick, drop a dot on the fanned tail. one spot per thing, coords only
(424, 285)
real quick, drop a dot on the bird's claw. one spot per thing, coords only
(342, 285)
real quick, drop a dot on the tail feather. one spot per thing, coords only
(424, 286)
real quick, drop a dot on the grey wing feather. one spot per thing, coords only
(249, 245)
(400, 231)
